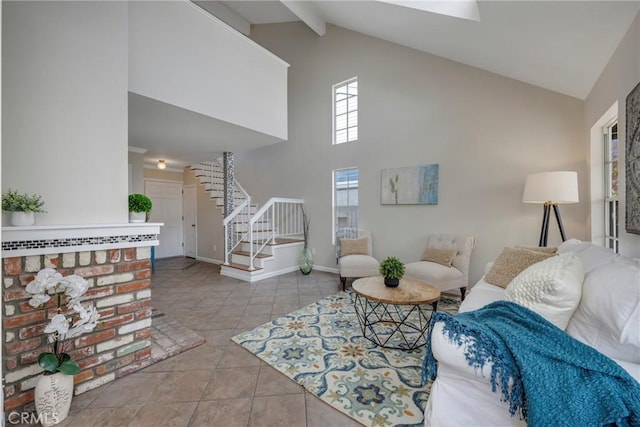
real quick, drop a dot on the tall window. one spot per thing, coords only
(611, 185)
(345, 111)
(345, 198)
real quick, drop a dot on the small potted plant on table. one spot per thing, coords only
(139, 207)
(392, 269)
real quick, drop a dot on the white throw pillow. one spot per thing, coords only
(612, 296)
(552, 288)
(592, 256)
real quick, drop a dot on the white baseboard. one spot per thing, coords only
(326, 269)
(209, 260)
(254, 277)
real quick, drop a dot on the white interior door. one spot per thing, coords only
(167, 208)
(190, 221)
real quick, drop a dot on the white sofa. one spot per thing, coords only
(606, 318)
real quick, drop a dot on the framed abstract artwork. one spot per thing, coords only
(632, 162)
(416, 185)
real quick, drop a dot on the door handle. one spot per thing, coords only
(193, 225)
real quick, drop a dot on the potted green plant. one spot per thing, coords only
(306, 257)
(139, 207)
(22, 206)
(392, 269)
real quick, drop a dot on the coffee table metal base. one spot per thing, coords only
(395, 326)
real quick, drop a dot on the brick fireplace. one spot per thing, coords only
(116, 261)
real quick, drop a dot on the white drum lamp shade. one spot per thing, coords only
(551, 189)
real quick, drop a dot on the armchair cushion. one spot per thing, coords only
(441, 277)
(358, 266)
(354, 246)
(440, 256)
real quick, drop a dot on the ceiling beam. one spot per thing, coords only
(308, 14)
(226, 15)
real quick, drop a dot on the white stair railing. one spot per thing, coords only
(236, 223)
(279, 217)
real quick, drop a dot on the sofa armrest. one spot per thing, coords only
(460, 390)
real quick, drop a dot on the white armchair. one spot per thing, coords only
(435, 269)
(354, 254)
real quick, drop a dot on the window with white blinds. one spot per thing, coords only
(345, 111)
(611, 217)
(345, 198)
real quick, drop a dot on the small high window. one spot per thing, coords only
(345, 111)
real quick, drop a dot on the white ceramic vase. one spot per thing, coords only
(23, 219)
(137, 216)
(53, 395)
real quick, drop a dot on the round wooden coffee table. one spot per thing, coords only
(395, 317)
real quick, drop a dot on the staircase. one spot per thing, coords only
(265, 241)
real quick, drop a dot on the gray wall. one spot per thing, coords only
(64, 95)
(619, 77)
(486, 132)
(136, 161)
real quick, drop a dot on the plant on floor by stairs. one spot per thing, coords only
(306, 258)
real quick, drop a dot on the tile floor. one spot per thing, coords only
(218, 383)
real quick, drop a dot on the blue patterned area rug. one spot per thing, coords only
(321, 347)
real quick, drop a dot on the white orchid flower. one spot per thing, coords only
(75, 286)
(59, 323)
(39, 299)
(86, 323)
(46, 280)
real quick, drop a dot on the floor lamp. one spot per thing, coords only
(551, 189)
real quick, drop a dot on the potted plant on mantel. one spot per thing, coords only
(392, 269)
(54, 389)
(22, 206)
(139, 207)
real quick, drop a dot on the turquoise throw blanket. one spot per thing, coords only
(557, 380)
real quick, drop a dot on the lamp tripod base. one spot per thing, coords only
(544, 231)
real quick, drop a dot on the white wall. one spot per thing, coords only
(486, 132)
(183, 56)
(64, 118)
(619, 77)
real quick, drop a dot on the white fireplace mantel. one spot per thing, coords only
(49, 239)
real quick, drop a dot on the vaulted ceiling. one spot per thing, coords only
(558, 45)
(562, 46)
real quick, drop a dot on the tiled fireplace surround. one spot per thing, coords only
(116, 261)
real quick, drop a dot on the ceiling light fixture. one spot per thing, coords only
(162, 164)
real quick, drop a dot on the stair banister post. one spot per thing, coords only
(228, 178)
(226, 246)
(251, 268)
(273, 223)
